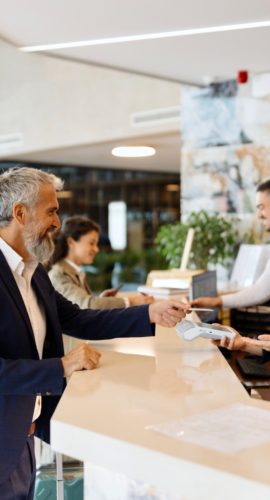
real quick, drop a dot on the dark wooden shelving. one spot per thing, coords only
(148, 200)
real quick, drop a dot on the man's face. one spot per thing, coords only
(263, 208)
(41, 223)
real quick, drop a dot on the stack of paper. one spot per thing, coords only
(158, 292)
(171, 283)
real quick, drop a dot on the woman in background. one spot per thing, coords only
(77, 244)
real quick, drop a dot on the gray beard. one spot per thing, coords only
(40, 248)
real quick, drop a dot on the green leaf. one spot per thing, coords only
(215, 240)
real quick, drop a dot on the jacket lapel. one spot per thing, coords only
(71, 272)
(86, 286)
(43, 289)
(8, 279)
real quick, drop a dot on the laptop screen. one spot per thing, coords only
(205, 285)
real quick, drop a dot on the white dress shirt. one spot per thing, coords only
(252, 295)
(23, 272)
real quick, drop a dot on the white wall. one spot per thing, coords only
(56, 103)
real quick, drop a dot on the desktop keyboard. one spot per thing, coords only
(252, 368)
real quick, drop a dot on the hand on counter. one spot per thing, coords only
(110, 292)
(138, 299)
(79, 358)
(168, 313)
(206, 302)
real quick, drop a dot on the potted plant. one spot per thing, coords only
(215, 240)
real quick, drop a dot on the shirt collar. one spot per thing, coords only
(72, 264)
(14, 260)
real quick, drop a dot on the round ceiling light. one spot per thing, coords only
(133, 151)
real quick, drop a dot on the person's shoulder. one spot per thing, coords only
(62, 274)
(59, 267)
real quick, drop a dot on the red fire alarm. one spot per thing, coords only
(242, 76)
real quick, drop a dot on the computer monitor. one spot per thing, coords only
(205, 285)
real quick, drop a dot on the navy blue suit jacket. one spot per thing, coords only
(23, 375)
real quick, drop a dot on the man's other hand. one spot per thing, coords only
(167, 313)
(80, 358)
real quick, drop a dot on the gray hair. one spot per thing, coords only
(21, 185)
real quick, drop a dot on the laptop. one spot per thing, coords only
(205, 285)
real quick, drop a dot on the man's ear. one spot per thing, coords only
(19, 213)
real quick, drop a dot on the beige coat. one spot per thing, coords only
(66, 281)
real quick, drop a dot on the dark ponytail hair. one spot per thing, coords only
(75, 227)
(263, 186)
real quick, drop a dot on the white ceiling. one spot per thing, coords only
(187, 59)
(184, 59)
(99, 155)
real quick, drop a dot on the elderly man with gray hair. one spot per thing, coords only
(33, 316)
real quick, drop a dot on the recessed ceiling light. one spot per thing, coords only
(147, 36)
(133, 151)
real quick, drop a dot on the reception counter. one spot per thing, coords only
(107, 418)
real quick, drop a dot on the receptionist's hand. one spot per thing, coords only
(238, 343)
(167, 313)
(207, 302)
(263, 342)
(246, 344)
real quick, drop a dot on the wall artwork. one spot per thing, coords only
(222, 161)
(223, 179)
(210, 116)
